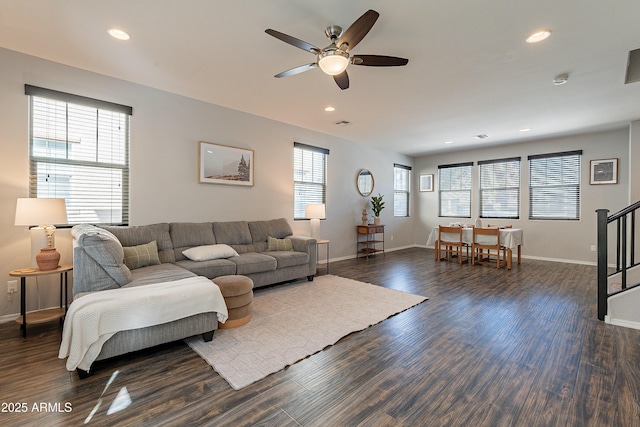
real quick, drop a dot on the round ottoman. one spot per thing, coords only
(238, 296)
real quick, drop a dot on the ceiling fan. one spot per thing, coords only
(335, 58)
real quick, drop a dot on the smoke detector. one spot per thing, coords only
(481, 136)
(561, 79)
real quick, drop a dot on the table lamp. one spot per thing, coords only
(315, 212)
(30, 211)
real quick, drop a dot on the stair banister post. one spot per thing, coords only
(602, 262)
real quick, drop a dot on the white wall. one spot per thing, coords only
(554, 240)
(165, 130)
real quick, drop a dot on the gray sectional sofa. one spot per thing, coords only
(265, 251)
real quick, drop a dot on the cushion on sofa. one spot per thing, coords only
(134, 235)
(207, 252)
(278, 228)
(158, 273)
(232, 233)
(104, 249)
(289, 258)
(211, 268)
(254, 263)
(141, 255)
(185, 235)
(274, 244)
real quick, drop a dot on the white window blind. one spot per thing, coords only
(401, 189)
(554, 186)
(454, 190)
(79, 151)
(309, 177)
(500, 188)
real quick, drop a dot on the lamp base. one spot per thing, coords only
(48, 259)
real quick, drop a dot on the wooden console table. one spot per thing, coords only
(41, 316)
(374, 238)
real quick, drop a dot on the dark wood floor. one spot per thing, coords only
(489, 348)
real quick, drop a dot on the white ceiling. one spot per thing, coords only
(470, 71)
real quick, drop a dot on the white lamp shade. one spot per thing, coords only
(315, 211)
(33, 211)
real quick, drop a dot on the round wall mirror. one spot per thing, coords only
(365, 182)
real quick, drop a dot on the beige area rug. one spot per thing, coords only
(293, 321)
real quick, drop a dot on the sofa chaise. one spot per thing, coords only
(115, 257)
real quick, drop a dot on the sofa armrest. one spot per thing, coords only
(309, 246)
(303, 243)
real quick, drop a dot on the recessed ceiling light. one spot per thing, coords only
(329, 108)
(118, 34)
(525, 130)
(538, 36)
(448, 142)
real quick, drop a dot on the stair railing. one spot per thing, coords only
(625, 221)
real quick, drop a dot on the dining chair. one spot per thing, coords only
(451, 244)
(487, 239)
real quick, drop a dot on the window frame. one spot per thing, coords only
(85, 196)
(299, 199)
(566, 188)
(443, 189)
(404, 193)
(504, 192)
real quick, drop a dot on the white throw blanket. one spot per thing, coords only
(96, 317)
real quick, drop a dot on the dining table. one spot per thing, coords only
(510, 238)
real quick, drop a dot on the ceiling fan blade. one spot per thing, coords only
(293, 41)
(356, 32)
(342, 80)
(378, 60)
(297, 70)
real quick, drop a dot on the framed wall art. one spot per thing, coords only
(426, 182)
(604, 171)
(222, 164)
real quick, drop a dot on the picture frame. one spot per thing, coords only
(426, 182)
(604, 171)
(223, 164)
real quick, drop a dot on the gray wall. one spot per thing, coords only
(165, 130)
(553, 240)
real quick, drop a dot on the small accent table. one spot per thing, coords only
(41, 316)
(323, 242)
(374, 238)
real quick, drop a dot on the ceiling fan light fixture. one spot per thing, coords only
(333, 61)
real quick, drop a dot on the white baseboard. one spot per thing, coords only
(342, 258)
(8, 318)
(619, 322)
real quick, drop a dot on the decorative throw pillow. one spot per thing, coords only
(274, 244)
(141, 255)
(207, 252)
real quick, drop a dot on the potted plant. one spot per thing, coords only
(377, 205)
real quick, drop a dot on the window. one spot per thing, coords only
(401, 189)
(455, 190)
(309, 177)
(554, 185)
(79, 151)
(500, 188)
